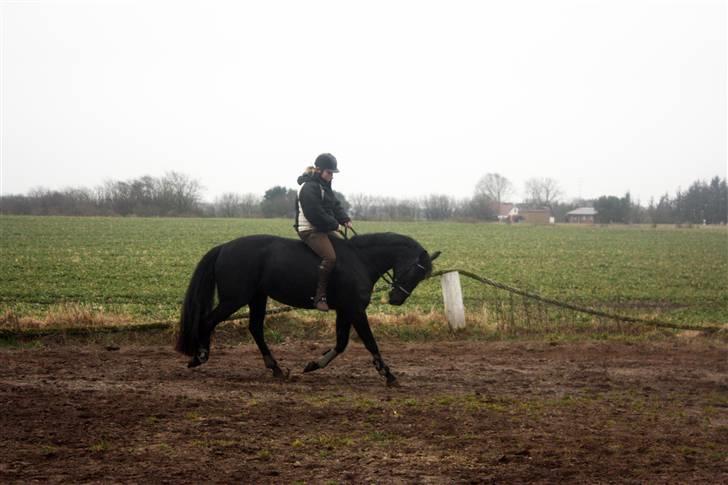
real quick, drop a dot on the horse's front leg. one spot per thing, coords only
(361, 325)
(343, 327)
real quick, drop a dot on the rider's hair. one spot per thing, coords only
(310, 170)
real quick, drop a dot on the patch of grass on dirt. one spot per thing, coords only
(164, 449)
(222, 443)
(193, 416)
(264, 455)
(365, 404)
(211, 444)
(410, 402)
(382, 437)
(717, 399)
(49, 451)
(330, 441)
(357, 402)
(471, 402)
(100, 446)
(273, 336)
(64, 315)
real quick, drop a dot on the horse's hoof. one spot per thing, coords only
(278, 373)
(392, 382)
(203, 355)
(312, 366)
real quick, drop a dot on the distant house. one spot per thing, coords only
(532, 216)
(504, 210)
(582, 215)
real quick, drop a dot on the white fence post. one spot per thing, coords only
(452, 295)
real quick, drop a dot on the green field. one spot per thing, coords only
(139, 268)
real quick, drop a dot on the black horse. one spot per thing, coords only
(246, 271)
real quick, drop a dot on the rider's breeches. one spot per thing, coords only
(321, 245)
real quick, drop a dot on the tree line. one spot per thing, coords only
(176, 194)
(702, 203)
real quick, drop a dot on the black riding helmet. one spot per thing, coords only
(326, 161)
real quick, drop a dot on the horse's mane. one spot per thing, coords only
(391, 240)
(383, 239)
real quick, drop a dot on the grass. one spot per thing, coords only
(62, 270)
(100, 446)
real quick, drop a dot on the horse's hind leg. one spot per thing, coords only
(343, 328)
(257, 316)
(223, 310)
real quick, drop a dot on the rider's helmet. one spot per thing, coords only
(326, 161)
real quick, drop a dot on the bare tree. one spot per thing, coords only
(438, 207)
(361, 206)
(228, 205)
(180, 193)
(369, 207)
(250, 205)
(231, 204)
(494, 186)
(479, 207)
(542, 192)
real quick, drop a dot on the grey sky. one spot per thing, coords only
(413, 97)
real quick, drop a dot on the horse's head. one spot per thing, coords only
(408, 272)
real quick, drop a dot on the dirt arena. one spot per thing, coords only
(466, 412)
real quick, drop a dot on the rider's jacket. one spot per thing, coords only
(317, 208)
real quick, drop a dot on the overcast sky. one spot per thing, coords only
(412, 97)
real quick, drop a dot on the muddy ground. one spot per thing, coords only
(474, 412)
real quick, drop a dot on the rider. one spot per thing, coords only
(318, 215)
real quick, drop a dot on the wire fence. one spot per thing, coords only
(517, 310)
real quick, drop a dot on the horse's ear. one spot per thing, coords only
(435, 255)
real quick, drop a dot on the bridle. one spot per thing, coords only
(388, 275)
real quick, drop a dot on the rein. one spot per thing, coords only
(393, 281)
(387, 276)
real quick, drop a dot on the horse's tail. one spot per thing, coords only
(198, 303)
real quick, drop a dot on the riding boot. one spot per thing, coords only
(323, 280)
